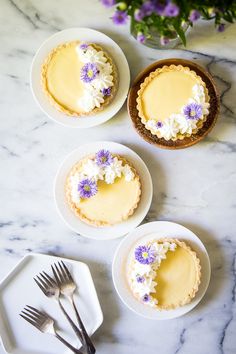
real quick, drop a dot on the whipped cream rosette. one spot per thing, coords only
(173, 102)
(98, 183)
(79, 78)
(164, 274)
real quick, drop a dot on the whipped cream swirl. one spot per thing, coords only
(145, 263)
(95, 171)
(98, 84)
(181, 123)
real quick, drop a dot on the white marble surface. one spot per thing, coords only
(194, 187)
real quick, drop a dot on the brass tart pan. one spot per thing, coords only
(187, 141)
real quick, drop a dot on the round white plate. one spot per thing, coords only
(103, 233)
(87, 35)
(150, 231)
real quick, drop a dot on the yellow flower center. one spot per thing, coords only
(87, 188)
(145, 255)
(90, 73)
(193, 113)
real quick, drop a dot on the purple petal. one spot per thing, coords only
(120, 17)
(171, 10)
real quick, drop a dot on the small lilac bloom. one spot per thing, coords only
(147, 7)
(83, 46)
(106, 91)
(171, 10)
(221, 27)
(194, 15)
(141, 38)
(164, 40)
(146, 298)
(88, 72)
(159, 9)
(144, 255)
(87, 188)
(108, 3)
(103, 158)
(159, 125)
(139, 14)
(193, 111)
(140, 279)
(120, 17)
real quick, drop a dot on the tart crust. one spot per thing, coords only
(77, 211)
(146, 82)
(58, 105)
(196, 284)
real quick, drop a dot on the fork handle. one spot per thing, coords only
(68, 345)
(86, 339)
(73, 325)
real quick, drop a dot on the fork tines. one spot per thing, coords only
(61, 272)
(33, 316)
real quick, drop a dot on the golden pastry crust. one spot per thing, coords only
(197, 283)
(150, 77)
(75, 208)
(57, 104)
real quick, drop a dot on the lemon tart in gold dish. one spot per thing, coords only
(164, 273)
(79, 78)
(103, 189)
(173, 102)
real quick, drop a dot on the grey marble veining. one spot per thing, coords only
(195, 187)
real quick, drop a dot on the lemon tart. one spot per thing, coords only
(79, 78)
(164, 274)
(103, 189)
(173, 102)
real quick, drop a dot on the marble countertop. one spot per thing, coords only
(194, 187)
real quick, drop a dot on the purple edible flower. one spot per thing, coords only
(194, 15)
(140, 279)
(106, 91)
(108, 3)
(83, 46)
(139, 14)
(221, 27)
(141, 38)
(159, 9)
(144, 255)
(87, 188)
(120, 17)
(146, 298)
(147, 7)
(171, 10)
(159, 125)
(103, 158)
(193, 111)
(88, 72)
(164, 40)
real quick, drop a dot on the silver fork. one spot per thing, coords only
(44, 323)
(67, 287)
(50, 288)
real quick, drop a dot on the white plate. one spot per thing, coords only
(157, 229)
(102, 233)
(19, 289)
(87, 35)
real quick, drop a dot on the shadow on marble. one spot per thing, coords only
(135, 59)
(159, 183)
(218, 263)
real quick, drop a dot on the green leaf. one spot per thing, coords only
(180, 32)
